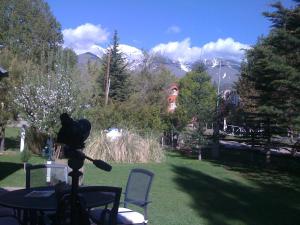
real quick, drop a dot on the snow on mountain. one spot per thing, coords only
(95, 49)
(184, 66)
(133, 56)
(228, 72)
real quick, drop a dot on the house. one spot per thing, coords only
(173, 91)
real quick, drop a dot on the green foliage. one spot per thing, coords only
(6, 84)
(119, 88)
(178, 120)
(126, 114)
(25, 155)
(144, 109)
(272, 71)
(197, 96)
(35, 140)
(28, 28)
(192, 139)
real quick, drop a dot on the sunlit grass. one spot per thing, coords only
(187, 191)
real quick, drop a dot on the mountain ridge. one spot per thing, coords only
(225, 71)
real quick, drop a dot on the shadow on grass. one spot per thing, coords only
(12, 143)
(252, 165)
(8, 168)
(228, 202)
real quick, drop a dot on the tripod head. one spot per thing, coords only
(73, 133)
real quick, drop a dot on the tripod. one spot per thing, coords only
(75, 161)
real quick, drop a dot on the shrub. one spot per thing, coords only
(130, 147)
(25, 155)
(35, 140)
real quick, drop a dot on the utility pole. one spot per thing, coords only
(107, 79)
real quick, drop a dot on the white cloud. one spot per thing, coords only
(173, 29)
(181, 51)
(184, 52)
(89, 38)
(84, 38)
(224, 48)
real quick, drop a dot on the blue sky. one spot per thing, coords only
(192, 27)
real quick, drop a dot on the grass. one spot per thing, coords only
(210, 192)
(12, 138)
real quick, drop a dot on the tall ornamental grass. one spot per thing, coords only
(130, 147)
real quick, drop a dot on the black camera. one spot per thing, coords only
(73, 133)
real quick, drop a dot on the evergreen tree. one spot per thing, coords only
(273, 68)
(118, 75)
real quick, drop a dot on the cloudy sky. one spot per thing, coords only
(184, 30)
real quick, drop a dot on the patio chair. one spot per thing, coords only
(45, 174)
(106, 215)
(136, 193)
(41, 175)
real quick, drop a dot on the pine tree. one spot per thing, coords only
(273, 67)
(118, 75)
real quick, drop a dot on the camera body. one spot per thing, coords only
(73, 133)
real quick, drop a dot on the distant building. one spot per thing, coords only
(173, 92)
(230, 97)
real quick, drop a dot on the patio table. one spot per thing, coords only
(20, 200)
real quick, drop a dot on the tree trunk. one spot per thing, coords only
(216, 144)
(2, 138)
(199, 153)
(268, 156)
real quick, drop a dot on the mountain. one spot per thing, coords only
(228, 73)
(85, 58)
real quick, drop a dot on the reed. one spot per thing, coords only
(130, 147)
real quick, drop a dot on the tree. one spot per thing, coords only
(119, 87)
(198, 96)
(273, 68)
(6, 84)
(4, 115)
(45, 94)
(246, 90)
(27, 27)
(196, 104)
(149, 83)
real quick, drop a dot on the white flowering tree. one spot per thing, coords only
(44, 95)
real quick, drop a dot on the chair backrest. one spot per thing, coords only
(45, 174)
(109, 215)
(138, 187)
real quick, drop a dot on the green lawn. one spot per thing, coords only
(187, 191)
(12, 138)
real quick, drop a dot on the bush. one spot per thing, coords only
(130, 147)
(35, 140)
(25, 155)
